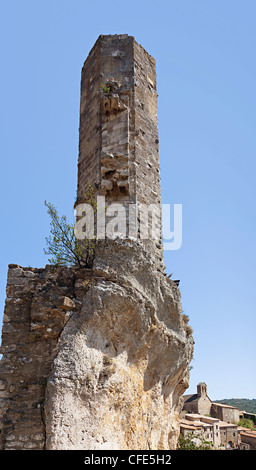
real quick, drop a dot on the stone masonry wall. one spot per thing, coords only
(204, 405)
(38, 305)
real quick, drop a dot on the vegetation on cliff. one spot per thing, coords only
(63, 245)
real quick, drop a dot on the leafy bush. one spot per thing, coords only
(193, 442)
(247, 423)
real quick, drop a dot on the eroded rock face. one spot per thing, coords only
(93, 358)
(122, 359)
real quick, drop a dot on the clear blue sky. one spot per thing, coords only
(205, 53)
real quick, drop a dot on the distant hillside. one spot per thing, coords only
(243, 404)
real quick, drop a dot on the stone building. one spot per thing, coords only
(206, 427)
(248, 438)
(199, 402)
(227, 413)
(222, 420)
(251, 416)
(229, 434)
(98, 358)
(222, 435)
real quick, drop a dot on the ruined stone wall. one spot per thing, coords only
(38, 305)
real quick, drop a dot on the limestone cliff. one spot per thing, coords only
(93, 359)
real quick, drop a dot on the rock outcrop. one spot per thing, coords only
(93, 359)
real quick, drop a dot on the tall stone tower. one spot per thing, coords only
(98, 358)
(118, 138)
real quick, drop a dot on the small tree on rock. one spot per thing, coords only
(62, 245)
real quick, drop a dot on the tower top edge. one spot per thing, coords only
(119, 37)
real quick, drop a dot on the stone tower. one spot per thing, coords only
(98, 358)
(118, 137)
(201, 389)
